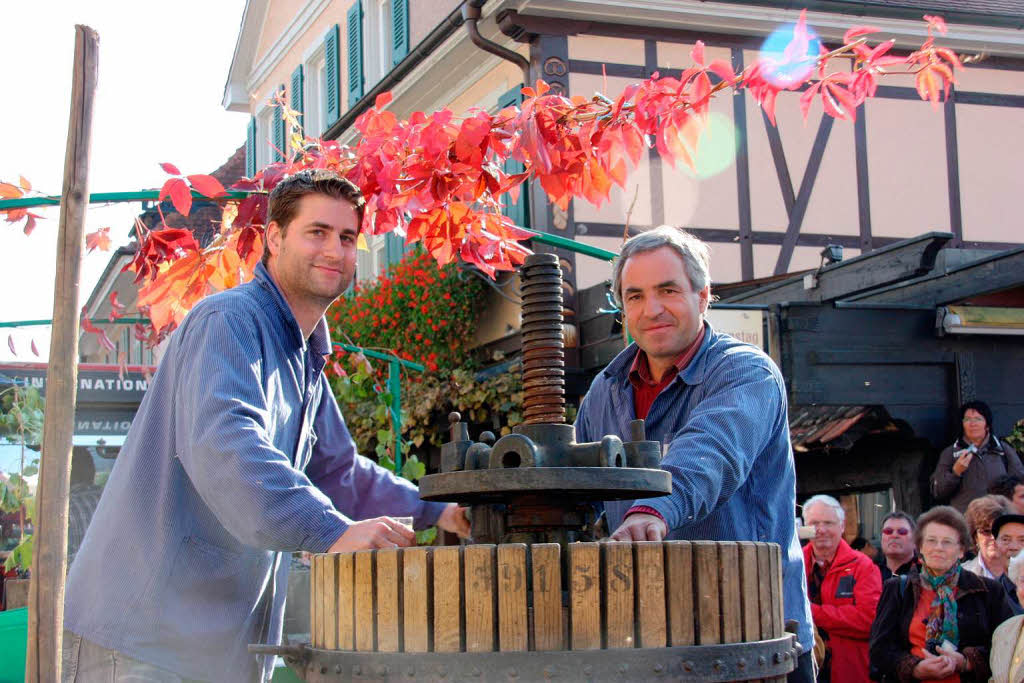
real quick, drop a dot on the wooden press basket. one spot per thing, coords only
(506, 598)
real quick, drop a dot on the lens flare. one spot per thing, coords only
(716, 147)
(788, 63)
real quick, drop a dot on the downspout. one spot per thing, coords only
(470, 16)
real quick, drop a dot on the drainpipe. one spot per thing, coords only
(470, 16)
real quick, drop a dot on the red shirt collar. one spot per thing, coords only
(640, 370)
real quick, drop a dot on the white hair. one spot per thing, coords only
(829, 501)
(1016, 565)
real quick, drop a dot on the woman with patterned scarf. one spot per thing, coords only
(936, 624)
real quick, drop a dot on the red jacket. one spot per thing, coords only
(849, 596)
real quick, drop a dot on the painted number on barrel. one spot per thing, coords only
(582, 579)
(542, 579)
(622, 579)
(483, 577)
(513, 577)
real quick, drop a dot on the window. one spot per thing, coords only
(370, 264)
(377, 29)
(519, 211)
(315, 115)
(377, 35)
(264, 135)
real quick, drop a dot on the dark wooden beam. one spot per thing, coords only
(739, 115)
(992, 274)
(899, 261)
(583, 66)
(953, 171)
(657, 181)
(860, 141)
(551, 55)
(781, 167)
(803, 198)
(990, 99)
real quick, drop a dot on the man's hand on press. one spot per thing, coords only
(381, 532)
(454, 519)
(641, 527)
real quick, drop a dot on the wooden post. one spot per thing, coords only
(49, 561)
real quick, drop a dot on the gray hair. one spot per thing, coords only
(1013, 571)
(829, 501)
(696, 255)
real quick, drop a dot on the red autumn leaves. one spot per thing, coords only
(180, 192)
(10, 191)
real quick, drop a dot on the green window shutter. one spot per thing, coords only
(296, 97)
(250, 148)
(280, 135)
(399, 30)
(355, 53)
(520, 211)
(332, 74)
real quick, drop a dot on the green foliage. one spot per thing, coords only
(21, 415)
(1016, 437)
(21, 556)
(412, 468)
(426, 401)
(14, 492)
(21, 421)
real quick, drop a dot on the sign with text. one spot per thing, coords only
(96, 384)
(747, 325)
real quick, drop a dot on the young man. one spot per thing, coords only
(717, 405)
(237, 457)
(844, 586)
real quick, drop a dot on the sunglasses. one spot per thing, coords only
(900, 531)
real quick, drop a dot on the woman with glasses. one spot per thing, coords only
(974, 461)
(936, 623)
(982, 513)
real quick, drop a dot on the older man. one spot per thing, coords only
(843, 586)
(899, 555)
(717, 405)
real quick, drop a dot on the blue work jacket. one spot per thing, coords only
(238, 456)
(724, 431)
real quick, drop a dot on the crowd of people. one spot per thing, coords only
(942, 600)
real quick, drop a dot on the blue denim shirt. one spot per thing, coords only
(238, 455)
(724, 431)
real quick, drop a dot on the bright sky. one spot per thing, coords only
(162, 69)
